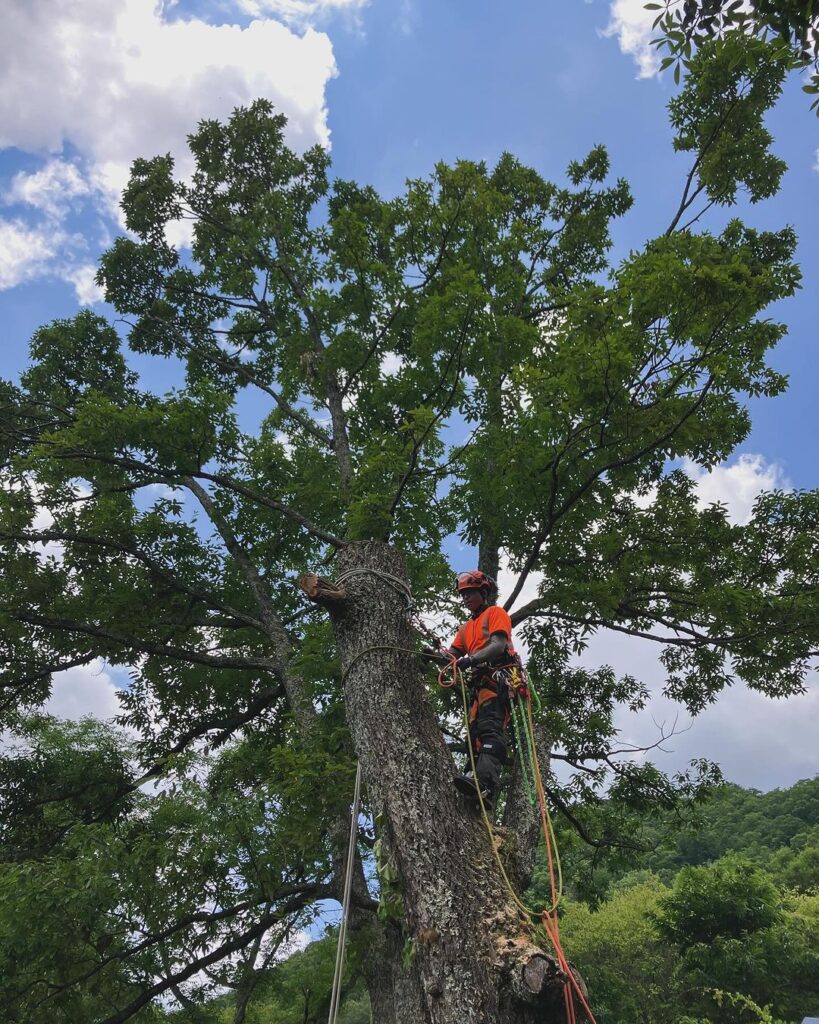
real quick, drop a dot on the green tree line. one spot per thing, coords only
(777, 830)
(715, 920)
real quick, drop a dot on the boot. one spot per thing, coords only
(475, 791)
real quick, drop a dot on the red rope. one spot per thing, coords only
(548, 918)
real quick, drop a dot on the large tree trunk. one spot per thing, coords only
(473, 953)
(521, 817)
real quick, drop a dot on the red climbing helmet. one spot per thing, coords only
(474, 579)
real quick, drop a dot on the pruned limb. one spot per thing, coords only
(321, 590)
(539, 982)
(536, 974)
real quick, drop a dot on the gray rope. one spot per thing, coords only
(345, 906)
(394, 581)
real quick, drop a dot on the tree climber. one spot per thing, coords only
(481, 645)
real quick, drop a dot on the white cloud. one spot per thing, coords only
(737, 485)
(45, 249)
(118, 79)
(83, 278)
(757, 741)
(631, 23)
(25, 252)
(50, 189)
(301, 12)
(84, 690)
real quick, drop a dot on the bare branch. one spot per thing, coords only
(145, 646)
(215, 956)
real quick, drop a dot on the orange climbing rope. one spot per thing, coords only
(548, 915)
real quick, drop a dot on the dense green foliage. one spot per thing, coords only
(718, 922)
(719, 939)
(794, 24)
(778, 830)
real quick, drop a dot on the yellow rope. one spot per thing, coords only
(527, 911)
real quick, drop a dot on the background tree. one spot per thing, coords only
(778, 831)
(362, 379)
(643, 954)
(690, 934)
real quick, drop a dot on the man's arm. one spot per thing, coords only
(496, 646)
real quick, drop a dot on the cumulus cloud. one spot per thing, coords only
(83, 277)
(631, 23)
(300, 12)
(25, 252)
(737, 485)
(117, 79)
(82, 691)
(111, 80)
(51, 189)
(758, 741)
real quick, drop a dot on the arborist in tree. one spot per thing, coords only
(481, 646)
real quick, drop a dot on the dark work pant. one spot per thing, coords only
(488, 718)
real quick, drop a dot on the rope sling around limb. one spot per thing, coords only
(335, 998)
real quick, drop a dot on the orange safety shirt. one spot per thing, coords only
(474, 634)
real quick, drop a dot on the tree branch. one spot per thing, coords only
(230, 946)
(144, 646)
(44, 536)
(572, 499)
(177, 475)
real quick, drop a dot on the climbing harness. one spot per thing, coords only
(521, 691)
(335, 998)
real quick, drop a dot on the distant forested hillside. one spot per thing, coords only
(712, 918)
(778, 830)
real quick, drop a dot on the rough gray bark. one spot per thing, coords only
(488, 556)
(474, 957)
(394, 990)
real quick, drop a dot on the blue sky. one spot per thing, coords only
(392, 86)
